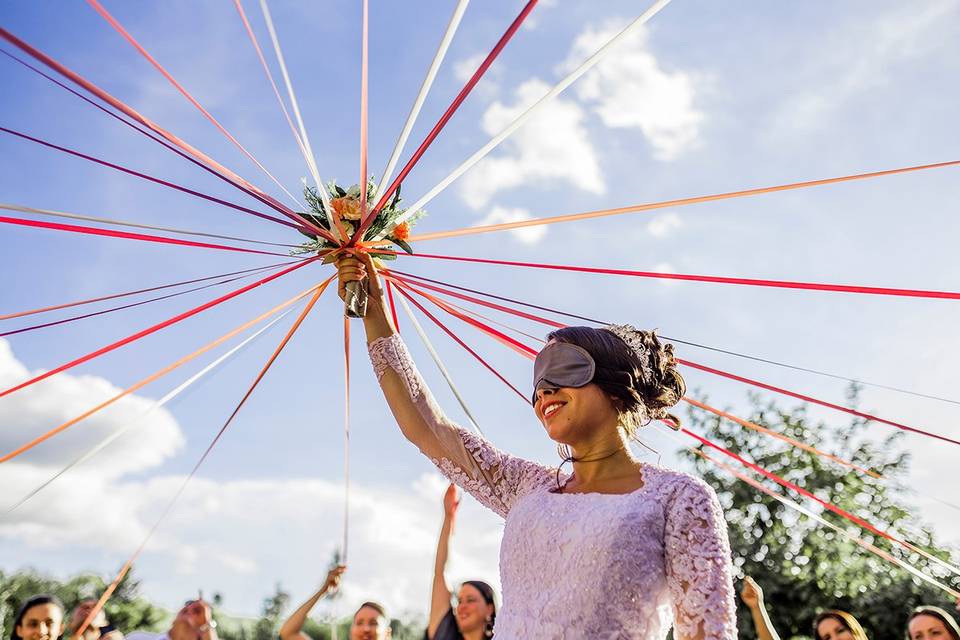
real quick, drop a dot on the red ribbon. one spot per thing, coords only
(753, 282)
(20, 314)
(501, 337)
(535, 318)
(112, 233)
(456, 338)
(148, 177)
(55, 323)
(137, 116)
(159, 141)
(153, 329)
(442, 122)
(786, 483)
(393, 307)
(196, 467)
(489, 305)
(806, 398)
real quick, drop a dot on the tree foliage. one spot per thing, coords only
(126, 609)
(802, 566)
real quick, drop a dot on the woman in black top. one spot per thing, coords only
(476, 610)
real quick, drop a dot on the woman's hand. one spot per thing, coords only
(752, 594)
(358, 267)
(451, 500)
(332, 583)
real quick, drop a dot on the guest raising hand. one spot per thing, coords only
(476, 610)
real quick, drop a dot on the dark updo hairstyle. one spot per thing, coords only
(936, 612)
(31, 602)
(844, 618)
(638, 396)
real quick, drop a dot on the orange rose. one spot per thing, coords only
(402, 231)
(346, 207)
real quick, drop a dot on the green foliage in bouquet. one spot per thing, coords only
(346, 203)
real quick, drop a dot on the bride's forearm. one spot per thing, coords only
(377, 322)
(420, 420)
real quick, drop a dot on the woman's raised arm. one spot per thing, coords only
(292, 628)
(440, 596)
(496, 479)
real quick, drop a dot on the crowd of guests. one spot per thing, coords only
(924, 623)
(468, 616)
(43, 617)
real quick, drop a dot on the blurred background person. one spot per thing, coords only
(476, 609)
(99, 628)
(370, 622)
(832, 624)
(193, 622)
(932, 623)
(39, 618)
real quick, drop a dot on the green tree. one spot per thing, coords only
(126, 610)
(272, 613)
(802, 566)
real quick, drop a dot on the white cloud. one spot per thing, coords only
(526, 235)
(219, 532)
(533, 20)
(864, 55)
(38, 408)
(629, 89)
(222, 532)
(664, 224)
(551, 146)
(464, 69)
(489, 86)
(665, 267)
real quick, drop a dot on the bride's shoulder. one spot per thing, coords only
(671, 482)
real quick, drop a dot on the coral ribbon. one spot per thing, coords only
(753, 282)
(442, 122)
(152, 329)
(650, 206)
(20, 314)
(153, 377)
(129, 563)
(112, 233)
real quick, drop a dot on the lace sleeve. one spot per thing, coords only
(698, 565)
(496, 479)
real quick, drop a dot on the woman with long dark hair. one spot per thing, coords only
(476, 610)
(39, 618)
(616, 548)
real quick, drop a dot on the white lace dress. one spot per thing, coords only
(586, 565)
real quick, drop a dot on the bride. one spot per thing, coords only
(615, 549)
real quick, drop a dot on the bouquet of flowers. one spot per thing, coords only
(346, 204)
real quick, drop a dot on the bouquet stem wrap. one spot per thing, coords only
(355, 302)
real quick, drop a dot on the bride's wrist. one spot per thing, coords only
(377, 322)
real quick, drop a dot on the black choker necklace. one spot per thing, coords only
(571, 459)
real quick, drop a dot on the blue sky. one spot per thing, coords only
(707, 98)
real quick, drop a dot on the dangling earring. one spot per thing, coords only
(566, 455)
(488, 629)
